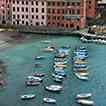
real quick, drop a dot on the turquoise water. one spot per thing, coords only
(20, 63)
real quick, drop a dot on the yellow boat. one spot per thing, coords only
(61, 65)
(80, 62)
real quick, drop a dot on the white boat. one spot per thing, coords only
(34, 78)
(48, 49)
(58, 80)
(46, 41)
(81, 77)
(39, 57)
(85, 102)
(49, 100)
(54, 88)
(57, 76)
(83, 95)
(27, 96)
(82, 73)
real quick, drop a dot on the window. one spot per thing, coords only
(63, 3)
(78, 4)
(43, 10)
(36, 9)
(26, 9)
(22, 9)
(13, 1)
(26, 16)
(78, 11)
(32, 16)
(53, 3)
(58, 18)
(26, 22)
(49, 3)
(41, 23)
(17, 2)
(22, 22)
(13, 16)
(58, 3)
(42, 3)
(17, 8)
(13, 8)
(89, 7)
(73, 12)
(22, 16)
(37, 23)
(36, 16)
(13, 22)
(18, 16)
(26, 2)
(48, 10)
(32, 3)
(73, 4)
(17, 22)
(53, 11)
(32, 9)
(70, 12)
(43, 17)
(36, 2)
(89, 2)
(63, 11)
(68, 3)
(23, 2)
(48, 17)
(71, 25)
(58, 11)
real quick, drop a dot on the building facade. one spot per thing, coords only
(29, 12)
(101, 11)
(69, 14)
(5, 11)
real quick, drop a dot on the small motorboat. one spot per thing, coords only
(48, 49)
(85, 102)
(54, 88)
(49, 100)
(27, 96)
(46, 41)
(83, 95)
(38, 65)
(39, 57)
(36, 74)
(81, 77)
(57, 76)
(58, 80)
(32, 83)
(78, 61)
(82, 73)
(60, 65)
(33, 78)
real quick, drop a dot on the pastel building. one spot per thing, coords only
(69, 13)
(29, 12)
(5, 11)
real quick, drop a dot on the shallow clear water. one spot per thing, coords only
(20, 62)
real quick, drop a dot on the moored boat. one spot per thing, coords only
(85, 102)
(81, 77)
(54, 88)
(36, 74)
(32, 83)
(27, 96)
(49, 100)
(83, 95)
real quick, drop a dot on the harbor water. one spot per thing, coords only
(20, 63)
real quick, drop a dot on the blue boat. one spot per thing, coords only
(80, 66)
